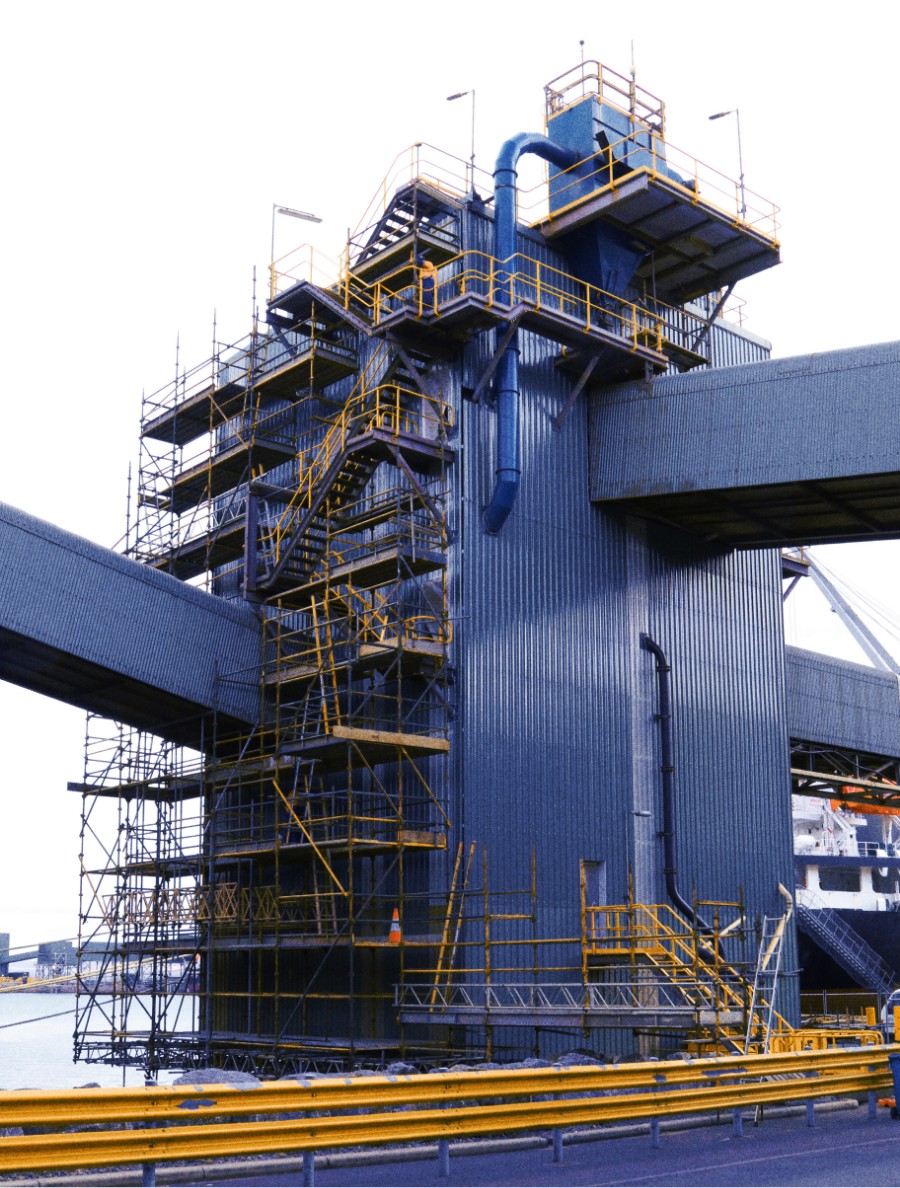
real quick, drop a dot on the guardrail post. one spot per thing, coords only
(309, 1169)
(737, 1122)
(810, 1112)
(654, 1132)
(148, 1170)
(557, 1137)
(444, 1158)
(873, 1104)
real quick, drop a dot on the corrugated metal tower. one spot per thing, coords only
(455, 811)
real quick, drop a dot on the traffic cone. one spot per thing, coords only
(394, 934)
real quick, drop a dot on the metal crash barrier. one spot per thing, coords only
(155, 1124)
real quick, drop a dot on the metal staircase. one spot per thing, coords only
(417, 211)
(842, 942)
(389, 423)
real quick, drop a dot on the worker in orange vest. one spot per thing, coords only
(427, 284)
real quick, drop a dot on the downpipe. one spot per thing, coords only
(667, 774)
(506, 387)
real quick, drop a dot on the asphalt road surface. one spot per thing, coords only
(843, 1148)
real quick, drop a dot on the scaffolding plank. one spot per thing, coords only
(377, 746)
(318, 366)
(224, 470)
(201, 553)
(367, 572)
(199, 414)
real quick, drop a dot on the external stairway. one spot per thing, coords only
(656, 937)
(846, 946)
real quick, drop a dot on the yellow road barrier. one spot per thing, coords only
(565, 1097)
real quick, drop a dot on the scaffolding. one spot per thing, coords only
(290, 884)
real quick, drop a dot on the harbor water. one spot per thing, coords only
(36, 1046)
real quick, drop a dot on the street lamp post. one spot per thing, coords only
(294, 214)
(735, 111)
(462, 95)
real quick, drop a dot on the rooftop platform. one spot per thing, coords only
(696, 246)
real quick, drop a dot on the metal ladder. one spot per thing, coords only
(768, 967)
(765, 983)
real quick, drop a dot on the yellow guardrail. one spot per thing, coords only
(387, 407)
(658, 933)
(660, 160)
(504, 284)
(449, 1105)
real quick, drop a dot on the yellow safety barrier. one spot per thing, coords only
(656, 1089)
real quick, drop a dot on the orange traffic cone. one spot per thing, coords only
(394, 934)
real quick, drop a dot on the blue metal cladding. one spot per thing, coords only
(555, 740)
(812, 417)
(76, 609)
(843, 704)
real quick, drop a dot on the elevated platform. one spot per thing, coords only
(458, 317)
(396, 259)
(298, 848)
(319, 364)
(293, 677)
(223, 471)
(199, 554)
(76, 622)
(696, 247)
(379, 567)
(377, 746)
(784, 452)
(165, 790)
(305, 304)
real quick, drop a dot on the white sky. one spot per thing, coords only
(144, 146)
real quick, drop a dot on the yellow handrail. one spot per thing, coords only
(624, 159)
(387, 407)
(641, 929)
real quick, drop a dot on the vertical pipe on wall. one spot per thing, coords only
(508, 470)
(667, 771)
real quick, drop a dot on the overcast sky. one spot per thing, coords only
(145, 146)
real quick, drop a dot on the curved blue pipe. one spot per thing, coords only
(506, 387)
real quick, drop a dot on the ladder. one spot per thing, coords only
(765, 983)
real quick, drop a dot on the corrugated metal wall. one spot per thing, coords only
(843, 704)
(782, 421)
(148, 632)
(555, 742)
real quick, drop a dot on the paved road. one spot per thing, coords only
(843, 1148)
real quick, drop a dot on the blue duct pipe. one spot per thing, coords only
(508, 471)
